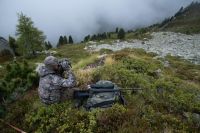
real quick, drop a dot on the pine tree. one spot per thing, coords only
(60, 41)
(117, 30)
(65, 40)
(71, 40)
(104, 35)
(87, 38)
(121, 34)
(46, 45)
(109, 35)
(94, 37)
(49, 45)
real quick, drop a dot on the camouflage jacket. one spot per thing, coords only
(51, 83)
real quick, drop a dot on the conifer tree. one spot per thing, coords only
(71, 40)
(121, 34)
(117, 30)
(65, 40)
(60, 41)
(49, 45)
(87, 38)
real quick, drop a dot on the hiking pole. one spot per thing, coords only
(17, 129)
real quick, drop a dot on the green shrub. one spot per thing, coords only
(61, 118)
(111, 119)
(105, 51)
(19, 78)
(184, 69)
(122, 76)
(137, 66)
(174, 95)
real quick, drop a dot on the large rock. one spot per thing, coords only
(4, 45)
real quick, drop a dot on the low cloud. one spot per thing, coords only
(81, 17)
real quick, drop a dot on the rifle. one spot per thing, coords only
(92, 89)
(82, 95)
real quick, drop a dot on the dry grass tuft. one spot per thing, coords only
(109, 61)
(84, 77)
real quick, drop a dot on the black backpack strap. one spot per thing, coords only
(101, 104)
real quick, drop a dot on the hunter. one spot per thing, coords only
(53, 87)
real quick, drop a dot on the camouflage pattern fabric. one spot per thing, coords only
(51, 85)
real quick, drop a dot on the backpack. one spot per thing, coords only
(103, 94)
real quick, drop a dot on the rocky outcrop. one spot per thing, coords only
(4, 45)
(162, 43)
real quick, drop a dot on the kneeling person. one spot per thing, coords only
(52, 84)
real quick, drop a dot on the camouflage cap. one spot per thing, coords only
(50, 61)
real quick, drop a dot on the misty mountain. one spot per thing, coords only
(4, 44)
(186, 20)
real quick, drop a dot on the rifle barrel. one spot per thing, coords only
(113, 90)
(131, 89)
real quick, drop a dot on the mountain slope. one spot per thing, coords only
(186, 20)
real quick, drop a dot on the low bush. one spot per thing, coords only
(60, 118)
(169, 101)
(111, 119)
(5, 55)
(18, 79)
(64, 118)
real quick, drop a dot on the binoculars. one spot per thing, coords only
(65, 65)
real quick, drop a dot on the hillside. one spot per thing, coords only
(164, 65)
(169, 100)
(186, 20)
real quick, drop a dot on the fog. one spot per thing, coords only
(82, 17)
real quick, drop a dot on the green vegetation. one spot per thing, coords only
(63, 40)
(141, 34)
(121, 34)
(186, 20)
(48, 45)
(60, 41)
(71, 40)
(74, 52)
(5, 55)
(169, 100)
(19, 77)
(97, 37)
(13, 44)
(30, 39)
